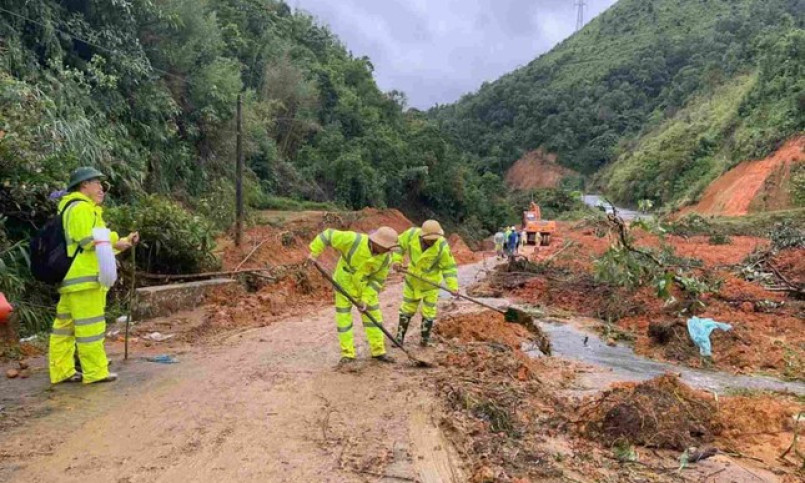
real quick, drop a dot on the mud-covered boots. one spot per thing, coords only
(427, 326)
(402, 328)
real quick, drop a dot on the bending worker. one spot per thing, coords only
(429, 258)
(80, 315)
(361, 270)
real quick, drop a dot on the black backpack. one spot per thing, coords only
(49, 260)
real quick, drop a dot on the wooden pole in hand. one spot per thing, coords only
(132, 294)
(239, 176)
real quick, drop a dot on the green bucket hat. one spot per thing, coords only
(80, 175)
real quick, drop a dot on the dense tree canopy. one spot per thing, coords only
(147, 90)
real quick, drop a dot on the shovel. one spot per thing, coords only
(511, 314)
(340, 289)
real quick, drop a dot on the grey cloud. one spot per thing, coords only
(437, 50)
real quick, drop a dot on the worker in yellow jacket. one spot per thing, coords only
(80, 314)
(429, 258)
(361, 270)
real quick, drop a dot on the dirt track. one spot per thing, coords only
(265, 405)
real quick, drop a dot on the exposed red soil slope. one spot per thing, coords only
(284, 241)
(461, 252)
(753, 186)
(279, 244)
(536, 169)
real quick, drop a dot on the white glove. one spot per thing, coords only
(106, 257)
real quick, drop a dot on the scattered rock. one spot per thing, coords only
(23, 365)
(24, 374)
(12, 373)
(748, 307)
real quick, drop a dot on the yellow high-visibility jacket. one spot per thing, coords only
(435, 264)
(79, 220)
(362, 274)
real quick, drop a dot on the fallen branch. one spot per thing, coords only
(791, 286)
(193, 276)
(794, 442)
(257, 247)
(566, 245)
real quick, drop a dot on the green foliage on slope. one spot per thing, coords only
(146, 91)
(614, 86)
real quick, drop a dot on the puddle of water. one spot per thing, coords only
(568, 342)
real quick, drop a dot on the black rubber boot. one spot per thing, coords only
(384, 358)
(402, 328)
(427, 325)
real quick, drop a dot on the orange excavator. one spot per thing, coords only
(533, 224)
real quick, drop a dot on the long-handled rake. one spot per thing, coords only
(342, 291)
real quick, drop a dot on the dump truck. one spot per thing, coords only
(533, 224)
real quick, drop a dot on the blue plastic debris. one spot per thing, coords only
(163, 359)
(700, 330)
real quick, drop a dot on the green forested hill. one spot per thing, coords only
(146, 90)
(636, 71)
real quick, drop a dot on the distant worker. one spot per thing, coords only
(80, 314)
(513, 241)
(500, 240)
(361, 270)
(523, 238)
(507, 232)
(429, 258)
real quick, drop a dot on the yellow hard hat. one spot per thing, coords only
(431, 230)
(384, 236)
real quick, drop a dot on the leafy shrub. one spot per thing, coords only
(172, 239)
(719, 239)
(553, 202)
(691, 224)
(288, 204)
(787, 235)
(798, 185)
(33, 302)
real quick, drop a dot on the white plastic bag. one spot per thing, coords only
(106, 257)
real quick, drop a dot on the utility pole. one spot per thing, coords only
(239, 176)
(580, 15)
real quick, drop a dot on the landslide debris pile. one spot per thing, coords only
(499, 409)
(751, 279)
(516, 419)
(490, 326)
(660, 413)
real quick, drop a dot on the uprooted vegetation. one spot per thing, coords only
(657, 280)
(514, 418)
(662, 413)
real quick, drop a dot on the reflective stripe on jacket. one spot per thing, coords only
(361, 272)
(435, 264)
(79, 220)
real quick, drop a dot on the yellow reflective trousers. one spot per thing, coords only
(412, 298)
(343, 319)
(80, 321)
(362, 274)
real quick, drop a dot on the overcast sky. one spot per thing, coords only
(437, 50)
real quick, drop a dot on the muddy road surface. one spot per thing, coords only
(266, 404)
(262, 405)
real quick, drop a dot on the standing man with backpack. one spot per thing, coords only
(80, 315)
